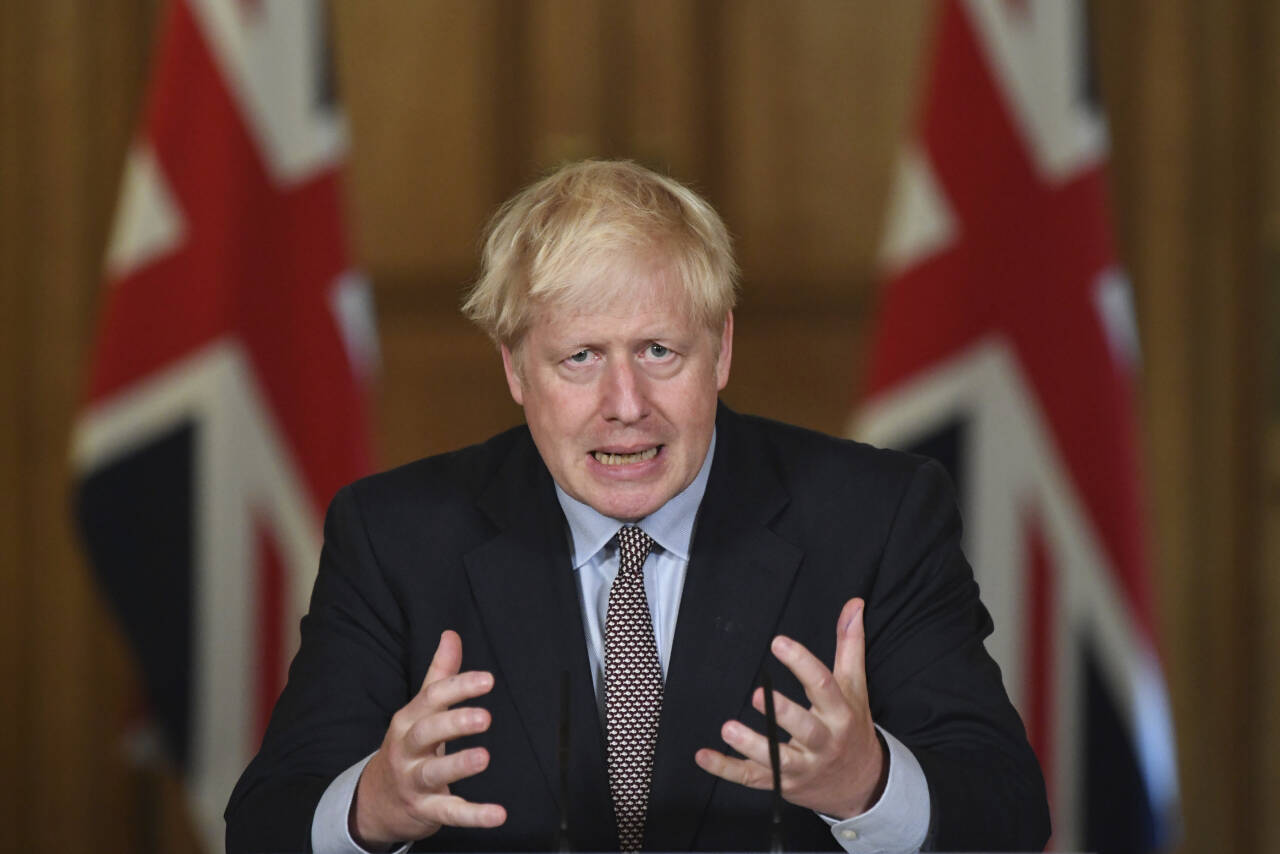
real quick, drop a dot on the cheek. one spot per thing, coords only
(688, 411)
(560, 415)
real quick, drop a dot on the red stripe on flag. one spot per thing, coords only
(269, 631)
(1023, 267)
(257, 264)
(1039, 651)
(251, 253)
(1026, 267)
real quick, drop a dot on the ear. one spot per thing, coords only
(512, 370)
(726, 353)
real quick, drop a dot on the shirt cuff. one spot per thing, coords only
(899, 820)
(331, 824)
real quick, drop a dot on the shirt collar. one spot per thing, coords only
(671, 525)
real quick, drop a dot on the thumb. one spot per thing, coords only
(447, 661)
(850, 668)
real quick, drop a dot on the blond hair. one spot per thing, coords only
(560, 240)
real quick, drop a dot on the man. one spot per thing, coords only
(660, 550)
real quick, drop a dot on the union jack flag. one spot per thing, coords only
(226, 402)
(1006, 347)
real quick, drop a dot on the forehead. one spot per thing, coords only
(634, 300)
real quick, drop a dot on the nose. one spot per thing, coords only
(624, 398)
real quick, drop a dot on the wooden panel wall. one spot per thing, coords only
(1189, 96)
(71, 80)
(1266, 692)
(787, 117)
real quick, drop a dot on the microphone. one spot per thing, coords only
(775, 765)
(562, 833)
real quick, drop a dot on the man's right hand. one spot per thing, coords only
(403, 793)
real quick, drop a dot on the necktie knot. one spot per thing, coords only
(634, 546)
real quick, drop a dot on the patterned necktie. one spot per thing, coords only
(632, 688)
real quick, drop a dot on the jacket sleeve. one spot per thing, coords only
(933, 685)
(347, 680)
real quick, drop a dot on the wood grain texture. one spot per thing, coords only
(788, 116)
(15, 634)
(416, 80)
(1266, 675)
(810, 138)
(1187, 163)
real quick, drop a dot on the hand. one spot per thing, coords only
(403, 793)
(834, 762)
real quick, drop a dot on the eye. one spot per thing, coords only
(658, 351)
(580, 357)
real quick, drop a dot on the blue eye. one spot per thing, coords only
(580, 357)
(658, 351)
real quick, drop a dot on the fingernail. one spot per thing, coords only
(848, 622)
(782, 643)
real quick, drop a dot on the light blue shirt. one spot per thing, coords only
(898, 822)
(593, 546)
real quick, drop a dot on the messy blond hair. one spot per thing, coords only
(560, 241)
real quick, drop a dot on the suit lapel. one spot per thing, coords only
(528, 602)
(737, 583)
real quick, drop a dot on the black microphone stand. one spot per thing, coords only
(562, 833)
(771, 731)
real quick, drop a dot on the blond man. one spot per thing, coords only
(658, 550)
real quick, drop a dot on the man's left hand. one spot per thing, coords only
(834, 762)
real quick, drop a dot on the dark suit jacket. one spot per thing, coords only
(792, 525)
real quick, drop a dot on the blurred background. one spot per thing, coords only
(789, 119)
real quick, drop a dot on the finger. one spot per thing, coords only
(740, 771)
(452, 690)
(438, 771)
(751, 744)
(850, 666)
(448, 658)
(454, 811)
(818, 682)
(804, 727)
(430, 731)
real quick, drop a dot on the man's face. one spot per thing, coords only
(621, 403)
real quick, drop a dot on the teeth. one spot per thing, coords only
(624, 459)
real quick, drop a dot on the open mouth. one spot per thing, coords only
(607, 459)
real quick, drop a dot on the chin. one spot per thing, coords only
(626, 510)
(625, 513)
